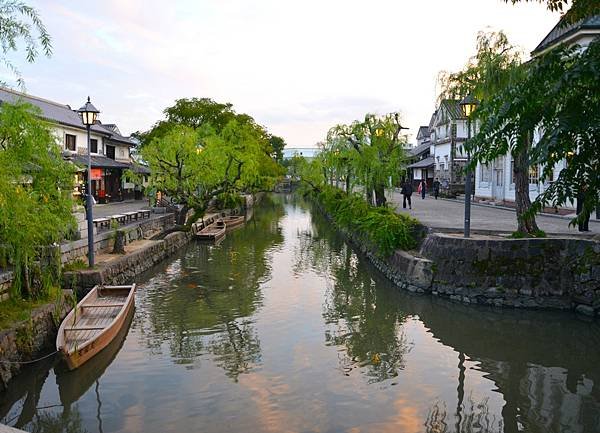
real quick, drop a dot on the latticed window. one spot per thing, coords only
(534, 174)
(486, 173)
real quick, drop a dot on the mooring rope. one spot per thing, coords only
(29, 362)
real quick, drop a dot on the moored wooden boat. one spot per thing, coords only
(213, 232)
(94, 323)
(233, 222)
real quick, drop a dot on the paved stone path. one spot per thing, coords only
(449, 214)
(105, 210)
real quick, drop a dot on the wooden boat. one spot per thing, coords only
(233, 222)
(213, 232)
(94, 323)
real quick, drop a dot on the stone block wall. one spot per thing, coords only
(552, 272)
(103, 241)
(124, 269)
(30, 339)
(6, 279)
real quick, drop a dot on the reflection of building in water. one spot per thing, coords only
(545, 399)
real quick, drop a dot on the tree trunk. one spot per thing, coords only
(119, 246)
(182, 215)
(348, 183)
(380, 199)
(526, 224)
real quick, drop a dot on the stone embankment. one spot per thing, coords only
(31, 339)
(557, 273)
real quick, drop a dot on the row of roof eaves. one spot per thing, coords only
(61, 113)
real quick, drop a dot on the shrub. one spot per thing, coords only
(381, 227)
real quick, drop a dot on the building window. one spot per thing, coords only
(93, 145)
(512, 171)
(446, 165)
(486, 173)
(71, 142)
(534, 174)
(110, 152)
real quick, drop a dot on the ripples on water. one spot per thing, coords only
(284, 328)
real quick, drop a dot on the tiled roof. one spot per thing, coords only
(560, 32)
(422, 148)
(139, 168)
(424, 163)
(452, 107)
(423, 132)
(99, 162)
(51, 111)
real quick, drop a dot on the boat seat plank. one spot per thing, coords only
(85, 328)
(120, 304)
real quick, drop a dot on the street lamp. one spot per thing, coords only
(468, 105)
(89, 115)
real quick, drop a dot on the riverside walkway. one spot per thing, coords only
(447, 214)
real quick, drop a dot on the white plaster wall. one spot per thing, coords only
(60, 131)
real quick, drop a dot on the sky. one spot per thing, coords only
(297, 67)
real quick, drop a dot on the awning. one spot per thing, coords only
(424, 163)
(99, 162)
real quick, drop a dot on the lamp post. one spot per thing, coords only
(468, 105)
(89, 115)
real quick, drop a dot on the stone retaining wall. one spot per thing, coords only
(124, 269)
(103, 241)
(557, 273)
(30, 339)
(548, 273)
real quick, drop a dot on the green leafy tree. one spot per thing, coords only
(495, 67)
(277, 144)
(374, 148)
(21, 25)
(558, 95)
(36, 187)
(194, 166)
(579, 9)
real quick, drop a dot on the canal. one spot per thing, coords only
(284, 328)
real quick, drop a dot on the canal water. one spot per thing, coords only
(285, 328)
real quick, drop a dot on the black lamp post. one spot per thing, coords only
(89, 115)
(468, 105)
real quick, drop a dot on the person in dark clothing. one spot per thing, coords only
(406, 192)
(423, 188)
(583, 224)
(436, 188)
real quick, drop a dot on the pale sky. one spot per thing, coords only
(297, 67)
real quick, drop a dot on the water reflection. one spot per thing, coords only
(283, 327)
(198, 310)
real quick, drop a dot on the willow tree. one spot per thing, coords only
(495, 67)
(195, 166)
(558, 94)
(21, 27)
(36, 187)
(374, 148)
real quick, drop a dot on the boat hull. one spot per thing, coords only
(75, 356)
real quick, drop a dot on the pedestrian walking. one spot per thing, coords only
(422, 189)
(584, 222)
(436, 188)
(406, 192)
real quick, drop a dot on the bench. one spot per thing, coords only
(145, 213)
(101, 222)
(131, 215)
(119, 218)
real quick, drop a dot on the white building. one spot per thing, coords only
(495, 181)
(109, 149)
(448, 129)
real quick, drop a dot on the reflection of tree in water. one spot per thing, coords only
(200, 305)
(46, 422)
(363, 316)
(475, 417)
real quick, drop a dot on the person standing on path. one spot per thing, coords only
(436, 188)
(584, 224)
(423, 188)
(406, 192)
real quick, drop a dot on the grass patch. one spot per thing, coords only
(18, 310)
(76, 265)
(523, 235)
(382, 227)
